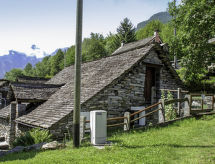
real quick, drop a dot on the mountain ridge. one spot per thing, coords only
(164, 17)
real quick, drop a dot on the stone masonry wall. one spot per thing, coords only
(4, 127)
(121, 95)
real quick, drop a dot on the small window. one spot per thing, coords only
(116, 93)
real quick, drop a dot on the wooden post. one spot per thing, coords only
(179, 104)
(190, 102)
(12, 124)
(202, 104)
(82, 127)
(187, 106)
(161, 113)
(127, 121)
(77, 105)
(213, 102)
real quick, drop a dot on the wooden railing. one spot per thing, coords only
(127, 117)
(160, 106)
(202, 100)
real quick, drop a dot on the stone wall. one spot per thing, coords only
(7, 96)
(63, 126)
(118, 97)
(4, 127)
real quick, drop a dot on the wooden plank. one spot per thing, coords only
(145, 115)
(175, 101)
(147, 108)
(199, 95)
(113, 125)
(116, 118)
(171, 90)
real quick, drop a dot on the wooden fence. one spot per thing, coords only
(130, 118)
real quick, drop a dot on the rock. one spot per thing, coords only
(34, 147)
(4, 146)
(52, 146)
(17, 149)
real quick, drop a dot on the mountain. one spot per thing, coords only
(15, 59)
(164, 17)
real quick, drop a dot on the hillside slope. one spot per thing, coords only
(164, 17)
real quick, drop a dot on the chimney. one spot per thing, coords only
(157, 37)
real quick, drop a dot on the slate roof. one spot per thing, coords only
(134, 45)
(5, 112)
(34, 80)
(96, 75)
(26, 91)
(3, 82)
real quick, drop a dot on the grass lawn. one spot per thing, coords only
(188, 141)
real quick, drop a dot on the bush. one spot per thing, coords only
(40, 136)
(34, 136)
(25, 139)
(170, 113)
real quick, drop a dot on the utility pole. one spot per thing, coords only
(77, 105)
(175, 57)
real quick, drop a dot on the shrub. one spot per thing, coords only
(170, 113)
(34, 136)
(40, 136)
(25, 139)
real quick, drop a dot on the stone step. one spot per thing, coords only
(4, 146)
(2, 138)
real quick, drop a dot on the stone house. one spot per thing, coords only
(131, 77)
(26, 97)
(5, 93)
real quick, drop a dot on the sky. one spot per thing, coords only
(50, 24)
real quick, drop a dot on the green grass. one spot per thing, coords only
(188, 141)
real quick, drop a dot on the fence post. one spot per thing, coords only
(127, 121)
(82, 127)
(213, 102)
(187, 106)
(161, 113)
(179, 104)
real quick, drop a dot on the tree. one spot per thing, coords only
(70, 56)
(195, 26)
(149, 29)
(57, 62)
(126, 32)
(43, 68)
(28, 70)
(112, 43)
(13, 74)
(94, 47)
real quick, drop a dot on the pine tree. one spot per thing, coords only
(126, 32)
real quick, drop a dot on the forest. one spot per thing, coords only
(193, 22)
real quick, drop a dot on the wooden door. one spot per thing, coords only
(149, 83)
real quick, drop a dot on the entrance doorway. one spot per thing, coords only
(149, 83)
